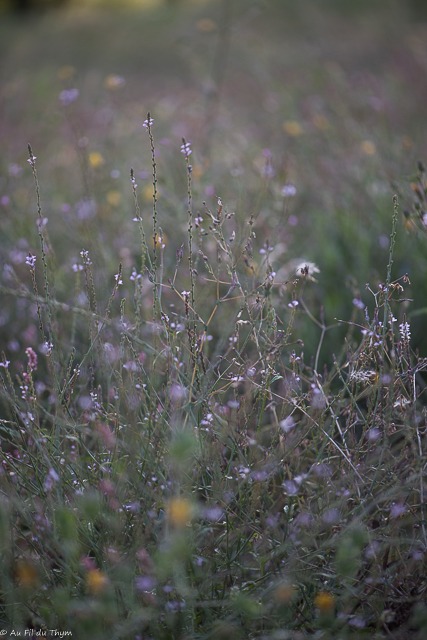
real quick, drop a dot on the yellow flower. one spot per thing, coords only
(96, 159)
(368, 148)
(96, 581)
(325, 602)
(179, 512)
(292, 128)
(114, 198)
(147, 192)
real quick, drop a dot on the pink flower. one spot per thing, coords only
(32, 358)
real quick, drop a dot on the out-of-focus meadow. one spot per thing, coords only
(329, 100)
(213, 300)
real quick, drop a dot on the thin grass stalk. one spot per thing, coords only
(138, 218)
(49, 330)
(148, 124)
(393, 235)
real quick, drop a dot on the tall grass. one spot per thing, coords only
(175, 465)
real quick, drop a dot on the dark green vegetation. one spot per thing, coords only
(211, 426)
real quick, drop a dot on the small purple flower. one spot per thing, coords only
(41, 223)
(30, 260)
(405, 331)
(373, 549)
(132, 507)
(321, 470)
(86, 209)
(260, 476)
(135, 276)
(47, 348)
(272, 521)
(87, 563)
(186, 148)
(373, 434)
(242, 471)
(51, 479)
(131, 365)
(233, 404)
(213, 514)
(175, 605)
(268, 171)
(358, 303)
(148, 122)
(397, 509)
(85, 255)
(290, 487)
(357, 622)
(303, 519)
(67, 96)
(331, 516)
(177, 394)
(15, 171)
(287, 424)
(24, 387)
(343, 493)
(145, 583)
(289, 191)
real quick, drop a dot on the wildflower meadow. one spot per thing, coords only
(213, 354)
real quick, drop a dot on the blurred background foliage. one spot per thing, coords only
(328, 99)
